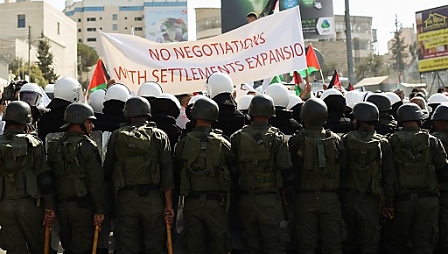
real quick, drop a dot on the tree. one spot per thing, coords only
(45, 58)
(19, 68)
(399, 48)
(87, 57)
(371, 66)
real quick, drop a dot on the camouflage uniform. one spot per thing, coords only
(206, 218)
(139, 175)
(76, 164)
(23, 164)
(260, 178)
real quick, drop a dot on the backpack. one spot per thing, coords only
(204, 168)
(320, 168)
(256, 160)
(413, 159)
(365, 160)
(137, 157)
(18, 174)
(69, 171)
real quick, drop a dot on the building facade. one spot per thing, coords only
(208, 22)
(24, 19)
(127, 17)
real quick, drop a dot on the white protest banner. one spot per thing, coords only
(267, 47)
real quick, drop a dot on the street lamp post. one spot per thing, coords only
(29, 53)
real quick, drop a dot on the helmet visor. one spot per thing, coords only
(31, 98)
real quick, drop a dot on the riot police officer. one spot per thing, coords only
(439, 120)
(165, 109)
(365, 155)
(96, 100)
(150, 90)
(25, 178)
(386, 123)
(336, 121)
(190, 125)
(411, 187)
(76, 164)
(433, 101)
(114, 100)
(139, 161)
(283, 117)
(66, 91)
(204, 160)
(263, 159)
(315, 156)
(31, 93)
(220, 89)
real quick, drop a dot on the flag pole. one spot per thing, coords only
(307, 77)
(322, 75)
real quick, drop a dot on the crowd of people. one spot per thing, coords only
(274, 172)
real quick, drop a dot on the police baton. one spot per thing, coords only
(95, 239)
(47, 236)
(169, 242)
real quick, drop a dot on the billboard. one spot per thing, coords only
(166, 24)
(432, 39)
(317, 16)
(234, 12)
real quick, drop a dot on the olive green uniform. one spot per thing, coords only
(365, 155)
(443, 200)
(418, 158)
(203, 158)
(317, 213)
(23, 162)
(262, 154)
(76, 165)
(139, 172)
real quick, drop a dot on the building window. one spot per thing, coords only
(91, 19)
(79, 30)
(59, 28)
(114, 16)
(91, 39)
(80, 40)
(21, 21)
(91, 29)
(115, 27)
(79, 20)
(138, 18)
(125, 18)
(138, 28)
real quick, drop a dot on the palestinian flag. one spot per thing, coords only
(335, 80)
(99, 77)
(350, 87)
(311, 62)
(276, 79)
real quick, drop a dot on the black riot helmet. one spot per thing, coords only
(205, 109)
(381, 101)
(136, 106)
(314, 112)
(441, 113)
(19, 112)
(78, 113)
(409, 112)
(261, 105)
(366, 112)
